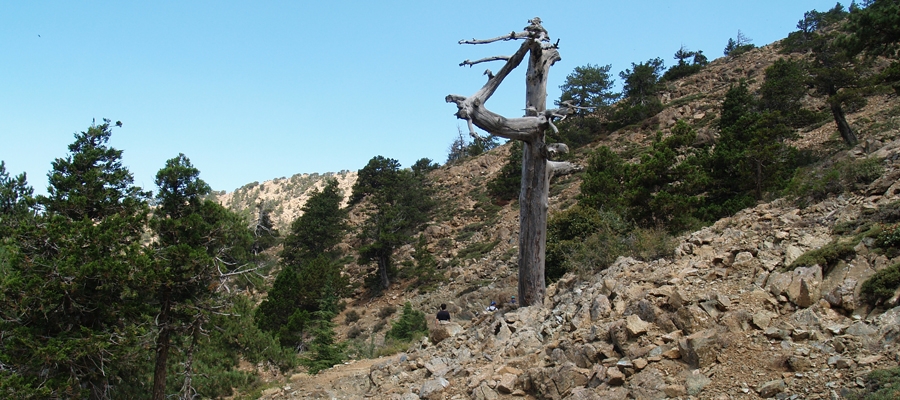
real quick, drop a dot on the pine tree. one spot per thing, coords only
(400, 203)
(198, 244)
(73, 280)
(319, 228)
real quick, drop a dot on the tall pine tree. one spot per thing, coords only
(72, 281)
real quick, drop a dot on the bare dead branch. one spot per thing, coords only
(511, 36)
(483, 60)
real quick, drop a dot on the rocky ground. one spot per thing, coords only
(721, 319)
(716, 321)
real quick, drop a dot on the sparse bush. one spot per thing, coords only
(379, 326)
(881, 286)
(883, 384)
(647, 244)
(354, 332)
(815, 184)
(411, 323)
(889, 240)
(826, 256)
(477, 249)
(506, 185)
(386, 311)
(351, 317)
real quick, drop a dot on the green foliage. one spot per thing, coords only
(577, 132)
(889, 240)
(423, 268)
(604, 180)
(752, 156)
(458, 150)
(816, 183)
(324, 352)
(298, 293)
(386, 311)
(400, 202)
(640, 87)
(410, 325)
(319, 229)
(567, 232)
(741, 45)
(882, 384)
(826, 256)
(73, 277)
(782, 90)
(808, 28)
(585, 241)
(197, 241)
(477, 249)
(589, 88)
(481, 144)
(379, 174)
(264, 233)
(684, 68)
(835, 74)
(875, 30)
(881, 286)
(659, 190)
(508, 182)
(462, 148)
(351, 317)
(216, 360)
(424, 166)
(16, 201)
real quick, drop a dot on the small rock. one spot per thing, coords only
(614, 377)
(635, 325)
(771, 388)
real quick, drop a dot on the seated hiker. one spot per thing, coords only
(512, 300)
(492, 307)
(443, 316)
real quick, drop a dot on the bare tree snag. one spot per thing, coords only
(537, 168)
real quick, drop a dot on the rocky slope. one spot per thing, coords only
(718, 320)
(284, 197)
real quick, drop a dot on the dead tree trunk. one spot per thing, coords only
(537, 168)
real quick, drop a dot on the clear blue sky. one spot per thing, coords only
(252, 91)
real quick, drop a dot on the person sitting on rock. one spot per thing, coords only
(492, 307)
(443, 316)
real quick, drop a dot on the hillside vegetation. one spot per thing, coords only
(733, 232)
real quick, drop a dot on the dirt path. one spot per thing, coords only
(339, 382)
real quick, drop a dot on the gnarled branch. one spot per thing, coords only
(511, 36)
(559, 168)
(483, 60)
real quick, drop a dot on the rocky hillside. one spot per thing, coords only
(722, 318)
(284, 197)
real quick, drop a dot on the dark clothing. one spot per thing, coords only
(443, 316)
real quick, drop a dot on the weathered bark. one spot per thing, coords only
(188, 392)
(537, 169)
(841, 121)
(384, 262)
(162, 352)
